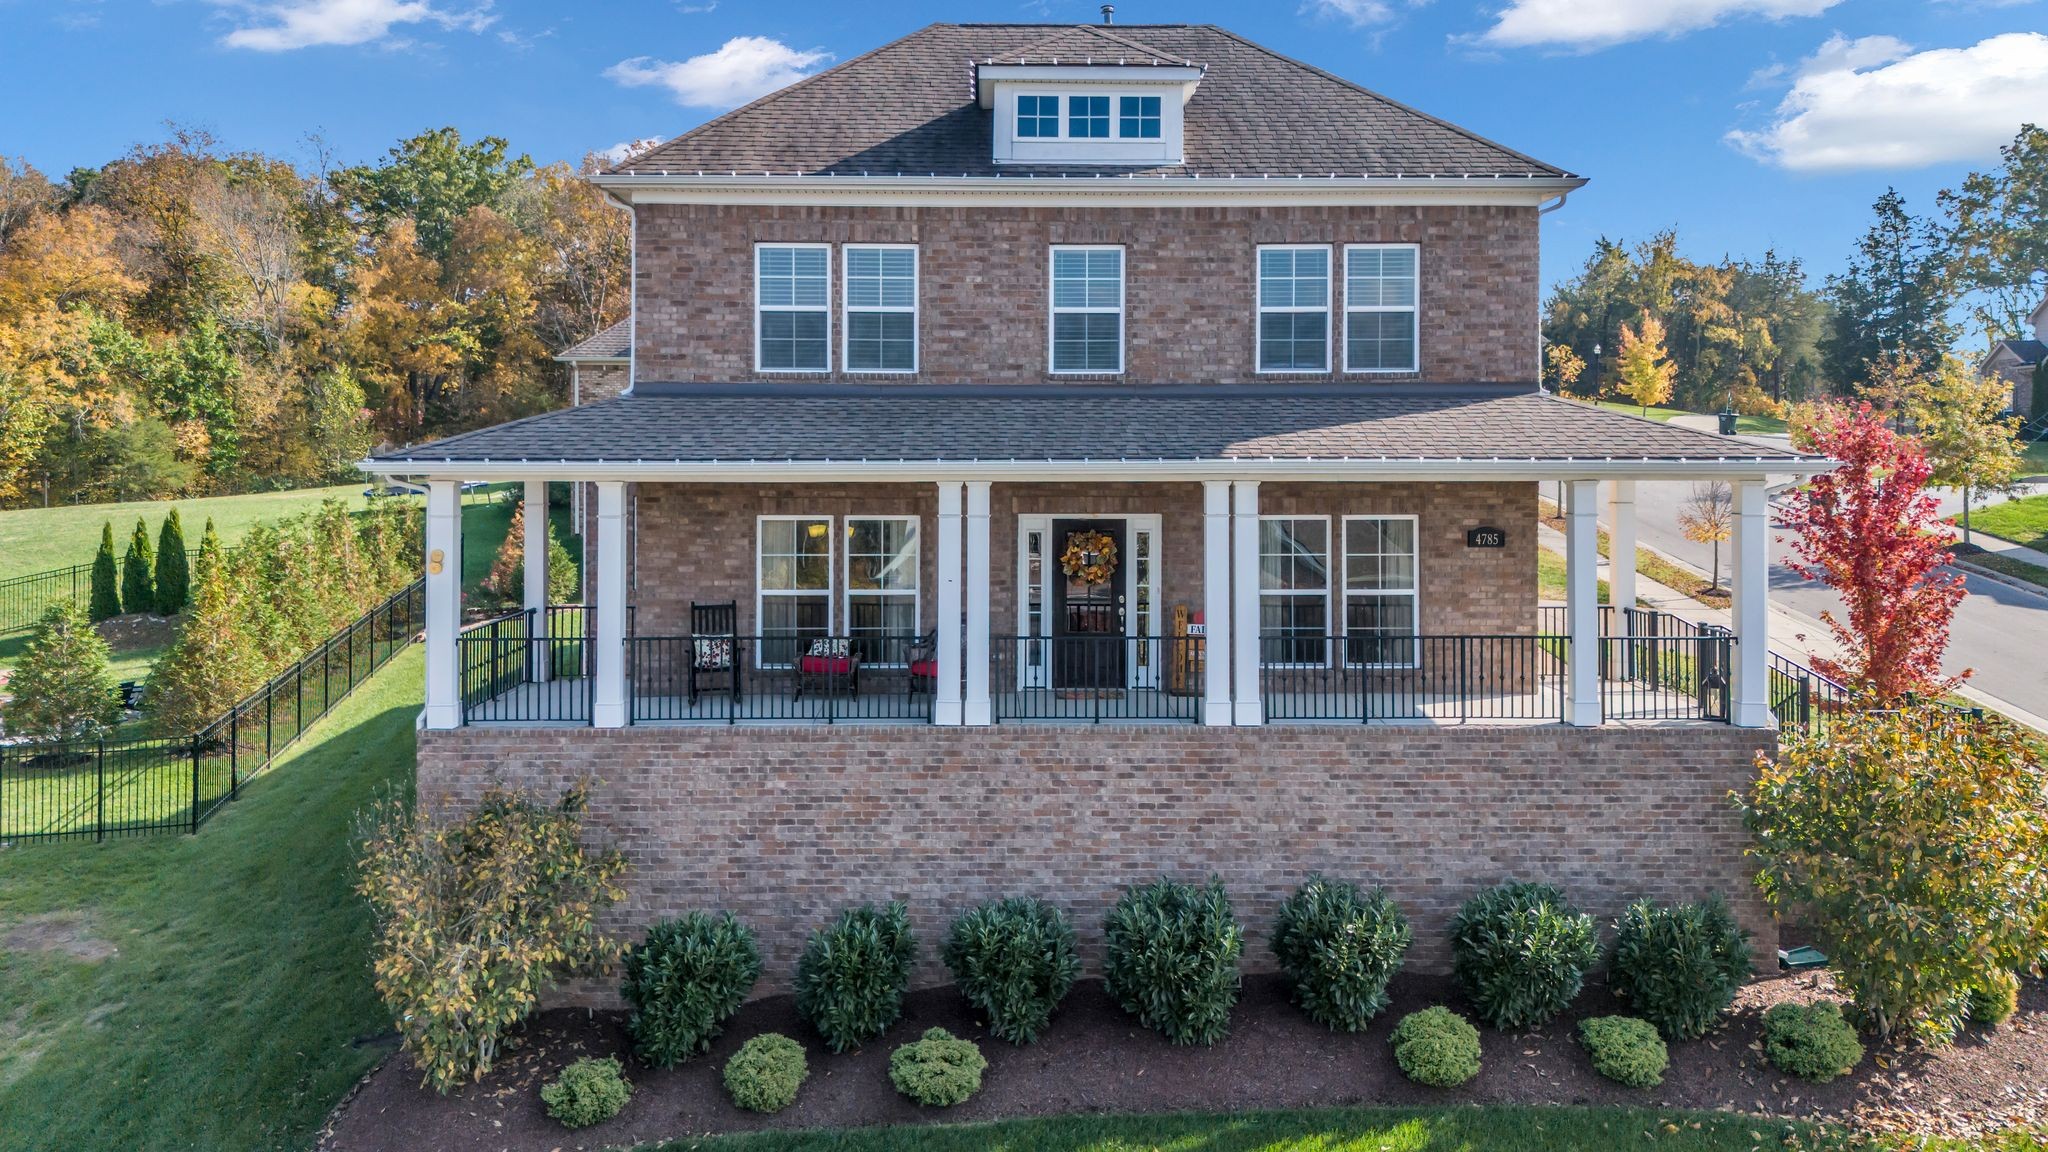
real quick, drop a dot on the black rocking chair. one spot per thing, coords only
(714, 648)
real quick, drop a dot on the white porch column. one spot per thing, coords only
(1246, 706)
(976, 710)
(1217, 653)
(1751, 563)
(1582, 602)
(444, 603)
(608, 691)
(946, 708)
(535, 514)
(1621, 549)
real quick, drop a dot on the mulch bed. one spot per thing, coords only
(1095, 1059)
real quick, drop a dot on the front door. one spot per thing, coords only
(1087, 604)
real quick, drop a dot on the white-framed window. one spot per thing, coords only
(1038, 117)
(1087, 330)
(793, 586)
(1382, 305)
(793, 307)
(1088, 117)
(1294, 589)
(1137, 117)
(882, 586)
(1294, 308)
(1381, 614)
(880, 326)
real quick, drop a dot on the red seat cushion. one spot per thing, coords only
(924, 667)
(825, 665)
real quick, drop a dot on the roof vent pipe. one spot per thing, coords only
(1109, 13)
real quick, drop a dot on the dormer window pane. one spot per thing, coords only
(1138, 117)
(1088, 117)
(1038, 117)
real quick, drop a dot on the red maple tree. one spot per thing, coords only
(1866, 530)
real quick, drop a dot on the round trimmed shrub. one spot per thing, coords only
(939, 1069)
(1520, 953)
(1679, 966)
(1994, 1000)
(684, 982)
(587, 1092)
(1170, 959)
(1811, 1041)
(765, 1073)
(1437, 1047)
(1014, 961)
(851, 976)
(1625, 1050)
(1339, 946)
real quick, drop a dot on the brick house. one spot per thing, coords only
(2018, 360)
(1052, 456)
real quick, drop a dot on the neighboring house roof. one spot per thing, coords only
(909, 108)
(2027, 352)
(876, 424)
(614, 343)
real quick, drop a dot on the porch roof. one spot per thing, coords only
(1472, 432)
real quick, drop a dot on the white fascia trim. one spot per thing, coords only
(592, 360)
(1080, 191)
(876, 472)
(1127, 73)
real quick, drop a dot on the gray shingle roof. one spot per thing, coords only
(2028, 351)
(694, 424)
(909, 108)
(614, 343)
(1085, 44)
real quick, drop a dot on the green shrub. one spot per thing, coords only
(1437, 1047)
(63, 688)
(106, 587)
(1520, 953)
(1170, 959)
(684, 982)
(765, 1073)
(1625, 1050)
(1679, 966)
(940, 1069)
(138, 571)
(1811, 1041)
(1339, 946)
(1014, 961)
(1994, 999)
(851, 976)
(587, 1092)
(173, 572)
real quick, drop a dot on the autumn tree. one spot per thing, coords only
(1866, 530)
(1959, 419)
(432, 181)
(507, 577)
(1708, 517)
(1642, 371)
(1562, 368)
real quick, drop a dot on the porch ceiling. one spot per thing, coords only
(909, 430)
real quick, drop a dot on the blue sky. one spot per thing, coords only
(1742, 123)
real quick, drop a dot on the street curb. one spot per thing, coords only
(1997, 577)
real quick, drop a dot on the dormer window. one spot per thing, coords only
(1088, 117)
(1083, 96)
(1038, 117)
(1138, 117)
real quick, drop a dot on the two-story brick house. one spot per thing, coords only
(1053, 456)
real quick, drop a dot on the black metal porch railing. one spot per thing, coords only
(510, 673)
(737, 679)
(1803, 699)
(1093, 679)
(1662, 667)
(1431, 678)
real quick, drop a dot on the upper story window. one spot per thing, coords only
(1294, 308)
(1087, 309)
(793, 307)
(881, 308)
(1138, 117)
(1088, 117)
(1381, 331)
(1038, 117)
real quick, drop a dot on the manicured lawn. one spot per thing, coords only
(2023, 521)
(1756, 425)
(2036, 459)
(236, 1007)
(1550, 585)
(39, 539)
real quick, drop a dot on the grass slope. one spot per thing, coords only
(229, 1015)
(39, 539)
(2022, 521)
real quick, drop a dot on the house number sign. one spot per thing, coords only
(1486, 538)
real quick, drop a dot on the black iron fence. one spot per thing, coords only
(1656, 666)
(128, 787)
(1092, 679)
(734, 679)
(1434, 678)
(509, 671)
(24, 599)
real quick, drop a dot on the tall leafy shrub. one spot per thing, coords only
(106, 579)
(138, 571)
(173, 575)
(851, 976)
(1679, 966)
(62, 688)
(683, 983)
(1014, 961)
(507, 577)
(1171, 953)
(1520, 953)
(1339, 946)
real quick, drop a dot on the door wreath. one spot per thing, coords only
(1090, 557)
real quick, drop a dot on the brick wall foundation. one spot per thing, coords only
(784, 826)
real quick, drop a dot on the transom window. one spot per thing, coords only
(1294, 589)
(795, 585)
(881, 308)
(1087, 309)
(1380, 617)
(1038, 117)
(1380, 308)
(1138, 117)
(882, 586)
(793, 306)
(1088, 117)
(1294, 309)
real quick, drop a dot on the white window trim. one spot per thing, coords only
(1414, 594)
(826, 309)
(762, 593)
(846, 311)
(1259, 310)
(1330, 637)
(1414, 311)
(848, 593)
(1121, 311)
(1065, 117)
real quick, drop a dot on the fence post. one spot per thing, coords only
(235, 752)
(99, 808)
(195, 783)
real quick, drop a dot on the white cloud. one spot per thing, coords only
(624, 148)
(1588, 24)
(1359, 13)
(287, 24)
(743, 68)
(1875, 103)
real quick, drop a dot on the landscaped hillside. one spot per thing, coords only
(39, 539)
